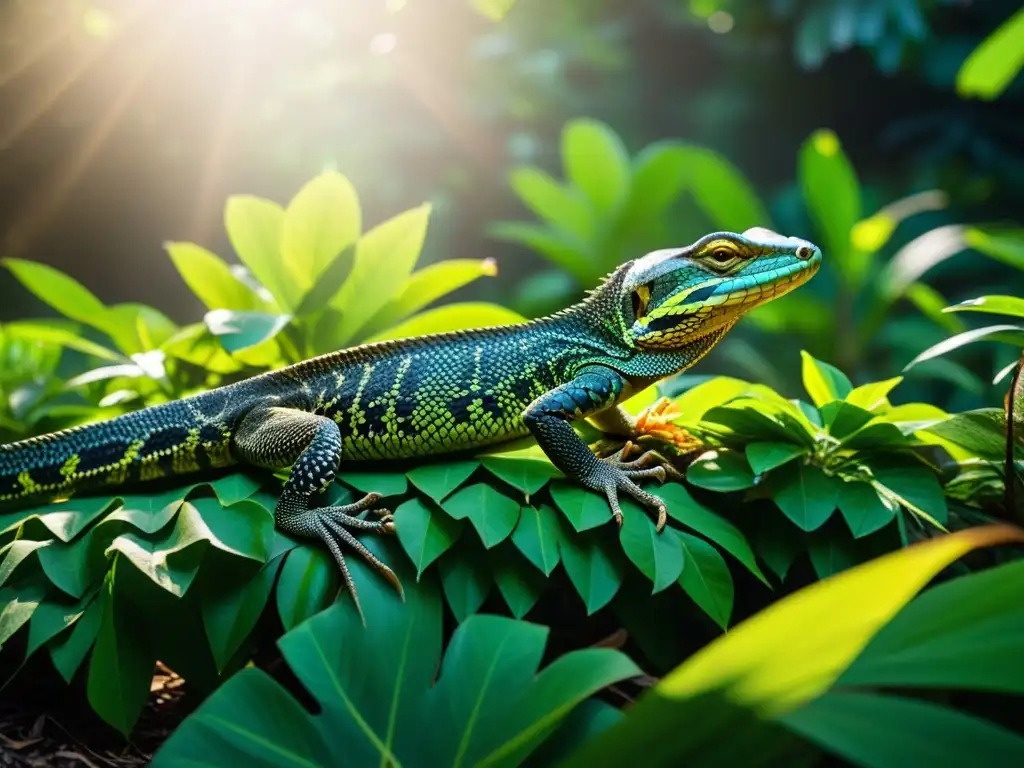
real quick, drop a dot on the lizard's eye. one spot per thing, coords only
(722, 255)
(640, 298)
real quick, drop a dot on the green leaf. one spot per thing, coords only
(748, 419)
(843, 418)
(425, 533)
(863, 509)
(660, 173)
(466, 578)
(308, 583)
(68, 652)
(556, 246)
(234, 488)
(584, 509)
(526, 474)
(777, 661)
(17, 608)
(254, 227)
(429, 284)
(210, 279)
(962, 634)
(320, 221)
(1003, 245)
(384, 483)
(874, 436)
(831, 553)
(564, 207)
(870, 396)
(764, 457)
(982, 432)
(597, 163)
(724, 194)
(806, 495)
(14, 553)
(903, 732)
(721, 471)
(684, 508)
(914, 485)
(823, 382)
(41, 333)
(658, 556)
(832, 194)
(706, 578)
(996, 305)
(150, 512)
(493, 514)
(51, 618)
(994, 64)
(232, 604)
(594, 568)
(391, 248)
(331, 280)
(243, 330)
(439, 480)
(520, 585)
(60, 291)
(1006, 334)
(494, 10)
(450, 317)
(490, 704)
(120, 670)
(243, 529)
(537, 535)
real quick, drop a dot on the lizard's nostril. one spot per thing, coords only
(804, 252)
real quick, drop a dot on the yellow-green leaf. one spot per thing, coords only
(210, 279)
(995, 63)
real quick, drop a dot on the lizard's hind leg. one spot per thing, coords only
(278, 437)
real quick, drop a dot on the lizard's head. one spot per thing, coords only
(672, 297)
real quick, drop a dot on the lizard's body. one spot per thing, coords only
(429, 395)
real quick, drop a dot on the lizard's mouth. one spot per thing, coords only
(720, 302)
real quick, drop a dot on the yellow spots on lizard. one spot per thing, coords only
(184, 459)
(28, 485)
(356, 412)
(69, 470)
(118, 471)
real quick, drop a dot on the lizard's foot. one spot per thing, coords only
(656, 423)
(334, 526)
(614, 475)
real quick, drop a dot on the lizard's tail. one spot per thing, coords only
(157, 442)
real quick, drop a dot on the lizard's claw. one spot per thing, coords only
(656, 423)
(613, 475)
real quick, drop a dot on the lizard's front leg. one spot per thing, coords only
(275, 437)
(594, 389)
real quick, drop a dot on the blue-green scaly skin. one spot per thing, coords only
(651, 318)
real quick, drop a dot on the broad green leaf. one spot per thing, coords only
(871, 396)
(150, 512)
(69, 651)
(994, 64)
(384, 483)
(779, 660)
(330, 281)
(392, 249)
(720, 471)
(698, 400)
(1006, 334)
(307, 585)
(519, 583)
(684, 508)
(842, 418)
(832, 194)
(757, 421)
(659, 177)
(234, 488)
(17, 608)
(120, 669)
(68, 519)
(425, 532)
(557, 247)
(439, 480)
(232, 604)
(584, 509)
(537, 536)
(244, 529)
(39, 332)
(494, 10)
(239, 331)
(254, 227)
(429, 284)
(210, 279)
(493, 514)
(60, 291)
(824, 382)
(597, 163)
(51, 618)
(13, 554)
(706, 578)
(722, 191)
(806, 495)
(764, 457)
(875, 436)
(528, 475)
(996, 305)
(320, 221)
(983, 432)
(1003, 245)
(863, 509)
(466, 579)
(451, 317)
(831, 553)
(562, 206)
(962, 634)
(594, 568)
(169, 561)
(914, 485)
(903, 732)
(490, 703)
(658, 556)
